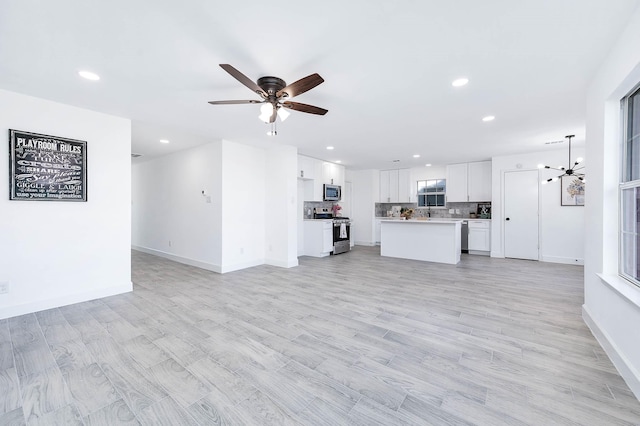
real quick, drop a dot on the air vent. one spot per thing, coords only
(135, 155)
(395, 161)
(553, 142)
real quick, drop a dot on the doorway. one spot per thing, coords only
(520, 222)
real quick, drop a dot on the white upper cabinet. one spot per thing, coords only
(332, 174)
(306, 167)
(457, 175)
(395, 186)
(315, 173)
(469, 182)
(480, 181)
(404, 186)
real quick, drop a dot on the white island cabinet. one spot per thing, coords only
(428, 240)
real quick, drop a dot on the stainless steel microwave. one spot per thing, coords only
(332, 192)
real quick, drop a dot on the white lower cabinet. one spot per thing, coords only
(377, 231)
(480, 237)
(318, 237)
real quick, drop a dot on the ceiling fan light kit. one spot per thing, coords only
(570, 170)
(275, 94)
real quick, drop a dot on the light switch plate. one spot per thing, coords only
(4, 287)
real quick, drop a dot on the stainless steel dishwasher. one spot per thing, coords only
(465, 236)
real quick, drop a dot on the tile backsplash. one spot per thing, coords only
(465, 209)
(310, 205)
(382, 208)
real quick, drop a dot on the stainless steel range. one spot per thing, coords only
(341, 229)
(341, 235)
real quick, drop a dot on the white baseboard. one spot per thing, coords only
(565, 260)
(291, 263)
(41, 305)
(625, 368)
(364, 243)
(180, 259)
(243, 265)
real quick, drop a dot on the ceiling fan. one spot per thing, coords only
(275, 94)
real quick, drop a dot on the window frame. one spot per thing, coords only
(625, 173)
(443, 193)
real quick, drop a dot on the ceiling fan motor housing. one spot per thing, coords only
(271, 85)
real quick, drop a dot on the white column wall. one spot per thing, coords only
(281, 205)
(243, 206)
(612, 305)
(58, 253)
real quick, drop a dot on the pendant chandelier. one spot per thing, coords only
(571, 170)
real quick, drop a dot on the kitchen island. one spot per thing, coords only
(430, 240)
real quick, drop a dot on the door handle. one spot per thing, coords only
(507, 219)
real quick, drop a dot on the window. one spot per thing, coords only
(630, 189)
(431, 193)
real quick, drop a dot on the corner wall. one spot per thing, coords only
(170, 215)
(58, 253)
(229, 227)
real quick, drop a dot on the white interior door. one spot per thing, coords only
(521, 214)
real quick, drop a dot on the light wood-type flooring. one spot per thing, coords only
(354, 339)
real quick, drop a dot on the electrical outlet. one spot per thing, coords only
(4, 287)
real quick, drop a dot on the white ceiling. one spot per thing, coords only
(387, 65)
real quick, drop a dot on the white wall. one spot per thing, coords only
(612, 305)
(170, 216)
(561, 229)
(366, 191)
(58, 253)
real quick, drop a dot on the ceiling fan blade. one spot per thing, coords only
(243, 79)
(298, 87)
(297, 106)
(234, 102)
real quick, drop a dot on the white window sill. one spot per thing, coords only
(623, 287)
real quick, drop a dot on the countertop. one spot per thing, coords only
(426, 221)
(443, 219)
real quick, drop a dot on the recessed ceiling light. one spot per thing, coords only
(416, 155)
(338, 161)
(488, 118)
(89, 75)
(460, 82)
(329, 148)
(164, 141)
(428, 165)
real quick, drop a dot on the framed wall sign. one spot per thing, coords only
(46, 168)
(571, 191)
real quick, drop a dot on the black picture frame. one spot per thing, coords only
(46, 168)
(571, 191)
